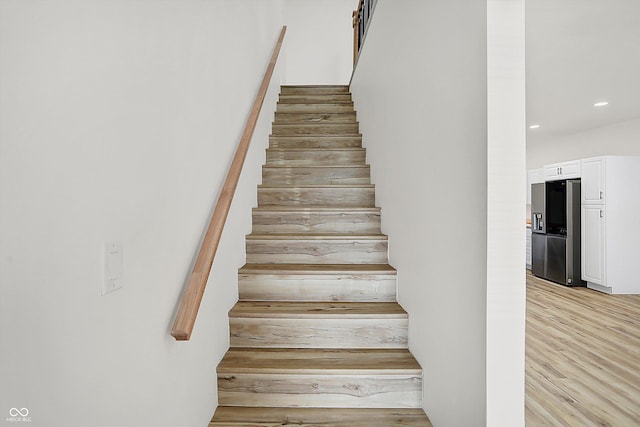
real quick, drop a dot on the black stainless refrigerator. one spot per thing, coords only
(555, 231)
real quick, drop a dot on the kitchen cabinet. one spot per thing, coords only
(593, 181)
(610, 213)
(564, 170)
(534, 176)
(593, 244)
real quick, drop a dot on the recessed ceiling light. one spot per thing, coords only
(534, 126)
(601, 104)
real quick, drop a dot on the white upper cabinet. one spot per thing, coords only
(534, 176)
(593, 184)
(564, 170)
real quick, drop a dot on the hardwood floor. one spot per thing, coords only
(582, 357)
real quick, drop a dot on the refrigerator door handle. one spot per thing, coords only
(601, 214)
(601, 195)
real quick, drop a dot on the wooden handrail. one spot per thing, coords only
(190, 303)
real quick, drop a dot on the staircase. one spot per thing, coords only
(317, 337)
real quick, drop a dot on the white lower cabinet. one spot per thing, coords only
(593, 244)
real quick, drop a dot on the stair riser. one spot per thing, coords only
(315, 222)
(317, 251)
(309, 98)
(341, 107)
(318, 333)
(325, 390)
(283, 287)
(313, 90)
(348, 157)
(315, 118)
(317, 142)
(315, 175)
(331, 197)
(315, 129)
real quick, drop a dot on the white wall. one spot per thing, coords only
(118, 120)
(420, 90)
(618, 139)
(440, 98)
(320, 41)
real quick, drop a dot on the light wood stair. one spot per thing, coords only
(317, 282)
(346, 117)
(228, 416)
(316, 157)
(293, 219)
(318, 324)
(316, 141)
(317, 248)
(339, 195)
(317, 337)
(314, 174)
(314, 106)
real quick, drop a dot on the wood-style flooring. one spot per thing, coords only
(582, 357)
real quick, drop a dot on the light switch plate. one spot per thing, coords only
(112, 267)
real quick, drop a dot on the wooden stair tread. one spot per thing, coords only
(338, 113)
(321, 150)
(295, 361)
(290, 174)
(232, 416)
(250, 268)
(317, 282)
(328, 310)
(320, 128)
(315, 100)
(311, 98)
(312, 157)
(314, 86)
(306, 125)
(306, 135)
(315, 141)
(320, 136)
(320, 209)
(316, 236)
(326, 117)
(316, 107)
(313, 94)
(316, 186)
(276, 166)
(313, 124)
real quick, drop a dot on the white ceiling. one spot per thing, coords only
(579, 52)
